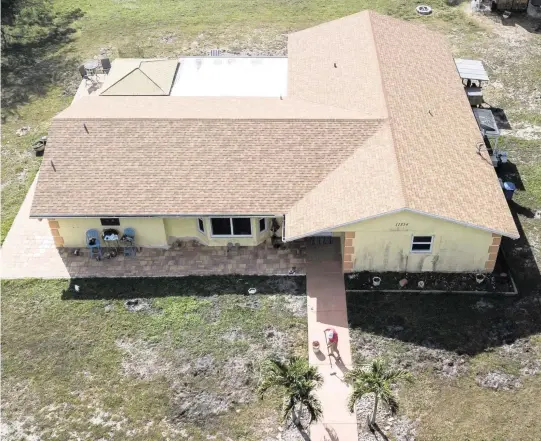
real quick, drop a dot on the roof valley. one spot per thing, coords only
(389, 115)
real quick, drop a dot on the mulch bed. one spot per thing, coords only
(449, 282)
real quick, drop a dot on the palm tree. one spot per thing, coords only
(297, 381)
(375, 378)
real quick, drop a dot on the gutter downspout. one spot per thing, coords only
(284, 229)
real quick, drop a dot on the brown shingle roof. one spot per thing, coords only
(434, 130)
(388, 128)
(434, 133)
(355, 82)
(125, 167)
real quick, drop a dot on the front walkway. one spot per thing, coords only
(327, 309)
(29, 251)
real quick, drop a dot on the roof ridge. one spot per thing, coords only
(386, 102)
(116, 82)
(144, 73)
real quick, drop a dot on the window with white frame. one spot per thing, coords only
(262, 225)
(421, 244)
(231, 226)
(200, 225)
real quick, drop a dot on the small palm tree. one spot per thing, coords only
(297, 380)
(375, 378)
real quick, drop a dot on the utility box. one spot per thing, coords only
(509, 190)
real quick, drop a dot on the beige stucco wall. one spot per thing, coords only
(384, 244)
(179, 228)
(157, 232)
(150, 231)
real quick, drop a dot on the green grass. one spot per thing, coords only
(462, 410)
(426, 333)
(63, 361)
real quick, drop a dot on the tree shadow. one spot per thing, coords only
(381, 433)
(332, 435)
(30, 65)
(302, 432)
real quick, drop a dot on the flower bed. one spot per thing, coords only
(448, 282)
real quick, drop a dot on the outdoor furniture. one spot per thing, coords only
(93, 243)
(487, 125)
(91, 67)
(475, 96)
(472, 70)
(128, 241)
(105, 65)
(111, 239)
(84, 74)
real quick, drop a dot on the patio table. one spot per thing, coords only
(91, 67)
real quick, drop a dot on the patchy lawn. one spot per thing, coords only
(182, 362)
(476, 361)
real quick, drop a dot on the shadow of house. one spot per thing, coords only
(509, 172)
(520, 257)
(453, 322)
(524, 21)
(501, 118)
(201, 286)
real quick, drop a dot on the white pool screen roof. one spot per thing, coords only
(231, 76)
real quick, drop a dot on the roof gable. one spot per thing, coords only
(132, 77)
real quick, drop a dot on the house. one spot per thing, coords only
(363, 132)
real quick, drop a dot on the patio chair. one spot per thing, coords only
(93, 243)
(128, 240)
(105, 65)
(84, 75)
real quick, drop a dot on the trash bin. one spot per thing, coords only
(509, 189)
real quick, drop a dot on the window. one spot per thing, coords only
(200, 225)
(421, 244)
(262, 225)
(110, 221)
(231, 226)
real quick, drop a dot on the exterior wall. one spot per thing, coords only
(150, 231)
(384, 244)
(184, 228)
(180, 228)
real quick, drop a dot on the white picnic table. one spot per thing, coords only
(471, 69)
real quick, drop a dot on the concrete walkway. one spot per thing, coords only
(327, 309)
(29, 249)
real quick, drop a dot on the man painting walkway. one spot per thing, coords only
(327, 311)
(332, 343)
